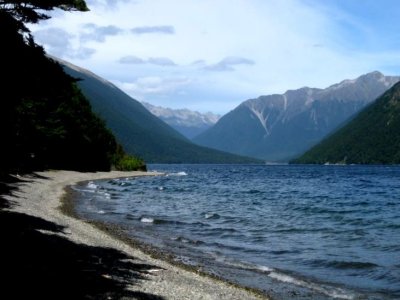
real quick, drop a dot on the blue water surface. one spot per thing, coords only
(318, 231)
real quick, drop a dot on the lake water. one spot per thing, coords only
(298, 232)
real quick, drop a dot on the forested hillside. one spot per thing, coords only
(45, 120)
(282, 127)
(372, 137)
(139, 131)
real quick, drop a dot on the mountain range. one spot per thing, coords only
(137, 130)
(187, 122)
(282, 126)
(372, 137)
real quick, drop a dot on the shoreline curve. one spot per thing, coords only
(46, 196)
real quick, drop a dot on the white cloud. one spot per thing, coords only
(56, 38)
(145, 86)
(161, 61)
(106, 4)
(166, 29)
(269, 47)
(93, 32)
(228, 63)
(58, 42)
(131, 59)
(158, 61)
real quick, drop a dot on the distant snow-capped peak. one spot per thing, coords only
(182, 117)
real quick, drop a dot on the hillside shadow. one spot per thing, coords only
(38, 264)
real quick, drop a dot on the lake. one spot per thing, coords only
(304, 232)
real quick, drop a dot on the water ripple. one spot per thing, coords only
(333, 229)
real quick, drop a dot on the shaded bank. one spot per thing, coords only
(38, 263)
(51, 251)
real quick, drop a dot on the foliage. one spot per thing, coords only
(45, 121)
(129, 163)
(372, 137)
(32, 11)
(125, 162)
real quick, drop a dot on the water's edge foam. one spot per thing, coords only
(120, 232)
(68, 207)
(210, 221)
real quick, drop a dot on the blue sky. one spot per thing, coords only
(211, 55)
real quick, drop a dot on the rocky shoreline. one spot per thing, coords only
(81, 261)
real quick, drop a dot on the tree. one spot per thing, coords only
(33, 11)
(45, 120)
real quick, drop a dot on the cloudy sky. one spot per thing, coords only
(210, 55)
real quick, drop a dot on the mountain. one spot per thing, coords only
(281, 127)
(45, 120)
(139, 131)
(372, 137)
(187, 122)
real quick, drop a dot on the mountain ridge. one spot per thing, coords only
(140, 132)
(371, 137)
(187, 122)
(279, 127)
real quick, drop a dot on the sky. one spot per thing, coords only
(211, 55)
